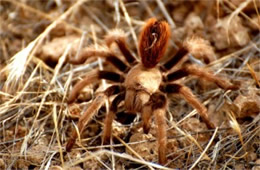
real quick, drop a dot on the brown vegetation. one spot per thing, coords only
(36, 38)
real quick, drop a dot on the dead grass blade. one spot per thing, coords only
(19, 62)
(253, 74)
(54, 115)
(165, 13)
(120, 155)
(244, 15)
(191, 139)
(129, 147)
(47, 92)
(235, 126)
(128, 20)
(235, 13)
(205, 150)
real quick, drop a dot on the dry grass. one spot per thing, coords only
(36, 122)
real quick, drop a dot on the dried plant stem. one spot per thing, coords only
(191, 138)
(244, 15)
(56, 71)
(128, 20)
(54, 115)
(235, 13)
(257, 130)
(253, 74)
(121, 155)
(42, 14)
(205, 150)
(257, 12)
(128, 147)
(234, 124)
(226, 57)
(165, 13)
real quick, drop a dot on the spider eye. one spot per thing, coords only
(153, 42)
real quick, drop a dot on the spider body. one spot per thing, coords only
(141, 83)
(142, 87)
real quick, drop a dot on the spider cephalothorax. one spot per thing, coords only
(143, 87)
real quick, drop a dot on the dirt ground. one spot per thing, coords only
(36, 36)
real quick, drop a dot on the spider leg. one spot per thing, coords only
(119, 38)
(202, 73)
(157, 104)
(146, 118)
(174, 60)
(86, 53)
(161, 132)
(119, 64)
(126, 52)
(110, 117)
(110, 57)
(191, 99)
(94, 76)
(91, 110)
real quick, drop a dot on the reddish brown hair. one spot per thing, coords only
(153, 41)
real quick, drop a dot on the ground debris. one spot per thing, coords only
(248, 105)
(30, 110)
(229, 32)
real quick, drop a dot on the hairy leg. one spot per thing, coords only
(126, 52)
(119, 37)
(108, 56)
(187, 94)
(146, 118)
(89, 113)
(119, 64)
(87, 53)
(201, 73)
(84, 119)
(110, 117)
(94, 76)
(174, 60)
(157, 104)
(161, 132)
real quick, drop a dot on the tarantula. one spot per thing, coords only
(142, 86)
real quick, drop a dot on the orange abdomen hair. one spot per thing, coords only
(153, 42)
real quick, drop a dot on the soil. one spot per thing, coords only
(36, 122)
